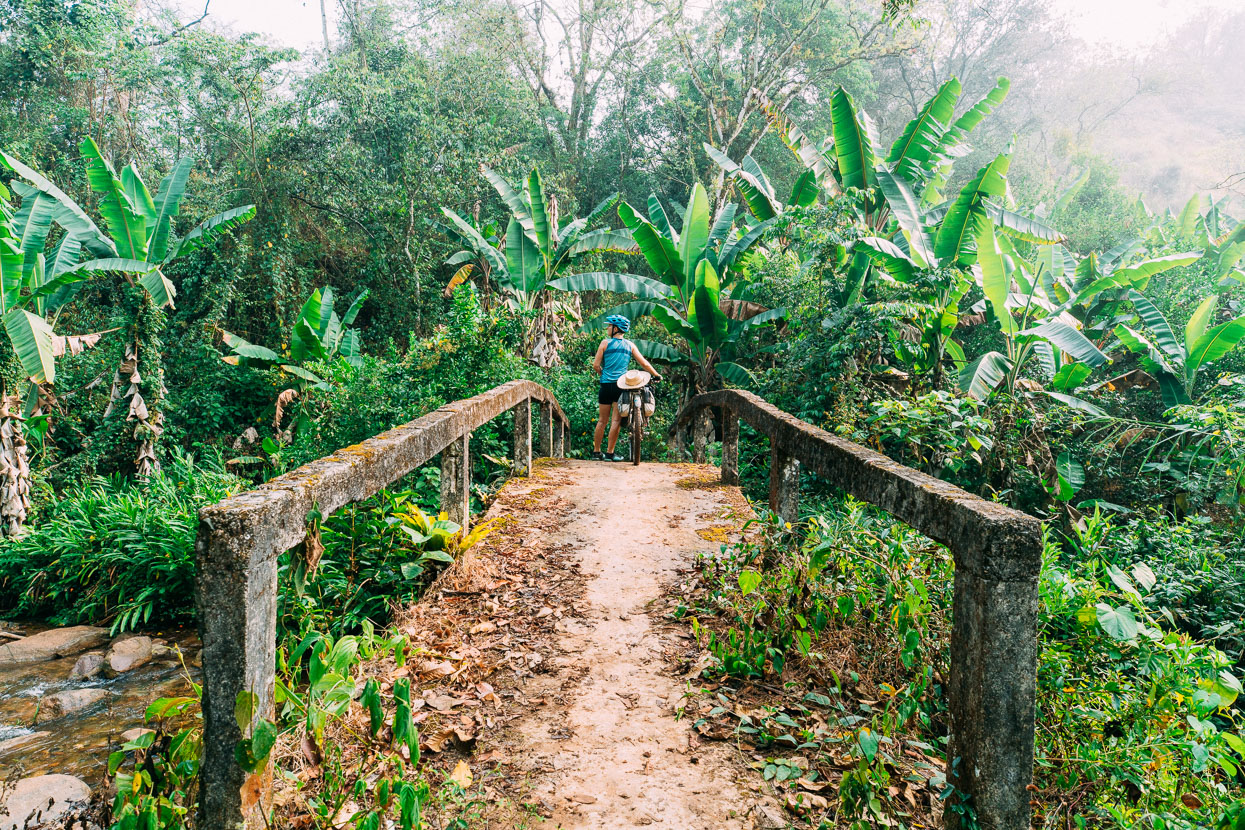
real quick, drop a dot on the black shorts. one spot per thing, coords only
(609, 393)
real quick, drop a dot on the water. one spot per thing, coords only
(79, 743)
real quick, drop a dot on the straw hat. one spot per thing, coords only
(635, 379)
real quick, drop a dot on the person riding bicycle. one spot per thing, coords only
(612, 361)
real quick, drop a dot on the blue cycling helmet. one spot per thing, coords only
(618, 320)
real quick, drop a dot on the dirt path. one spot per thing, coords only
(614, 753)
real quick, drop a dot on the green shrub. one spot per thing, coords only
(111, 550)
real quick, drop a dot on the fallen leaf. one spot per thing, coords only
(461, 775)
(1191, 801)
(437, 742)
(544, 612)
(442, 703)
(485, 627)
(584, 799)
(348, 811)
(441, 668)
(485, 692)
(812, 786)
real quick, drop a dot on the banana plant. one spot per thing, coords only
(139, 243)
(700, 293)
(1176, 362)
(535, 250)
(317, 334)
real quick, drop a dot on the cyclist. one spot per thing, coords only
(612, 361)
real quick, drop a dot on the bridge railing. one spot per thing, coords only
(241, 538)
(998, 555)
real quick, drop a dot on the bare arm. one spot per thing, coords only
(644, 364)
(599, 359)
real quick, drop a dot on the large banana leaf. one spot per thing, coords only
(773, 315)
(514, 200)
(353, 311)
(1144, 270)
(915, 151)
(855, 141)
(158, 286)
(1076, 403)
(540, 211)
(572, 231)
(1022, 227)
(11, 280)
(31, 337)
(734, 373)
(980, 377)
(139, 196)
(888, 256)
(69, 215)
(705, 313)
(695, 236)
(472, 237)
(127, 226)
(815, 157)
(956, 239)
(1202, 315)
(249, 353)
(658, 250)
(1070, 341)
(1157, 324)
(32, 223)
(1122, 251)
(642, 287)
(304, 339)
(1189, 216)
(168, 202)
(731, 254)
(805, 190)
(966, 123)
(620, 242)
(523, 260)
(209, 229)
(996, 283)
(675, 324)
(723, 223)
(1214, 344)
(907, 212)
(657, 215)
(1070, 192)
(755, 189)
(660, 352)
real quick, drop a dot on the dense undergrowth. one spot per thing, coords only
(1138, 682)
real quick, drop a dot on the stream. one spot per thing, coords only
(78, 743)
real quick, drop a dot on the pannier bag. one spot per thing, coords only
(650, 402)
(624, 404)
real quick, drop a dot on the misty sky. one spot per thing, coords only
(1120, 24)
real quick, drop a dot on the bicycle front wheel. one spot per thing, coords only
(637, 435)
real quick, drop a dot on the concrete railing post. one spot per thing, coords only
(456, 481)
(702, 428)
(237, 602)
(730, 446)
(523, 438)
(784, 484)
(991, 692)
(559, 438)
(546, 430)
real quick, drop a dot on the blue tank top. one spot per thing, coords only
(617, 359)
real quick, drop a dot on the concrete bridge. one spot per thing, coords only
(997, 551)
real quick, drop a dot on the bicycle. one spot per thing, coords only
(640, 404)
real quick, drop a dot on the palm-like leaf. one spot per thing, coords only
(209, 229)
(642, 287)
(168, 202)
(705, 312)
(620, 242)
(632, 311)
(69, 215)
(1022, 227)
(513, 199)
(32, 223)
(523, 261)
(472, 237)
(695, 236)
(907, 213)
(658, 250)
(1214, 344)
(956, 239)
(980, 377)
(1157, 324)
(738, 248)
(995, 281)
(126, 224)
(855, 141)
(540, 211)
(660, 352)
(31, 337)
(888, 256)
(1071, 341)
(916, 150)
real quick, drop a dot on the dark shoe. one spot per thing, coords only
(615, 457)
(598, 456)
